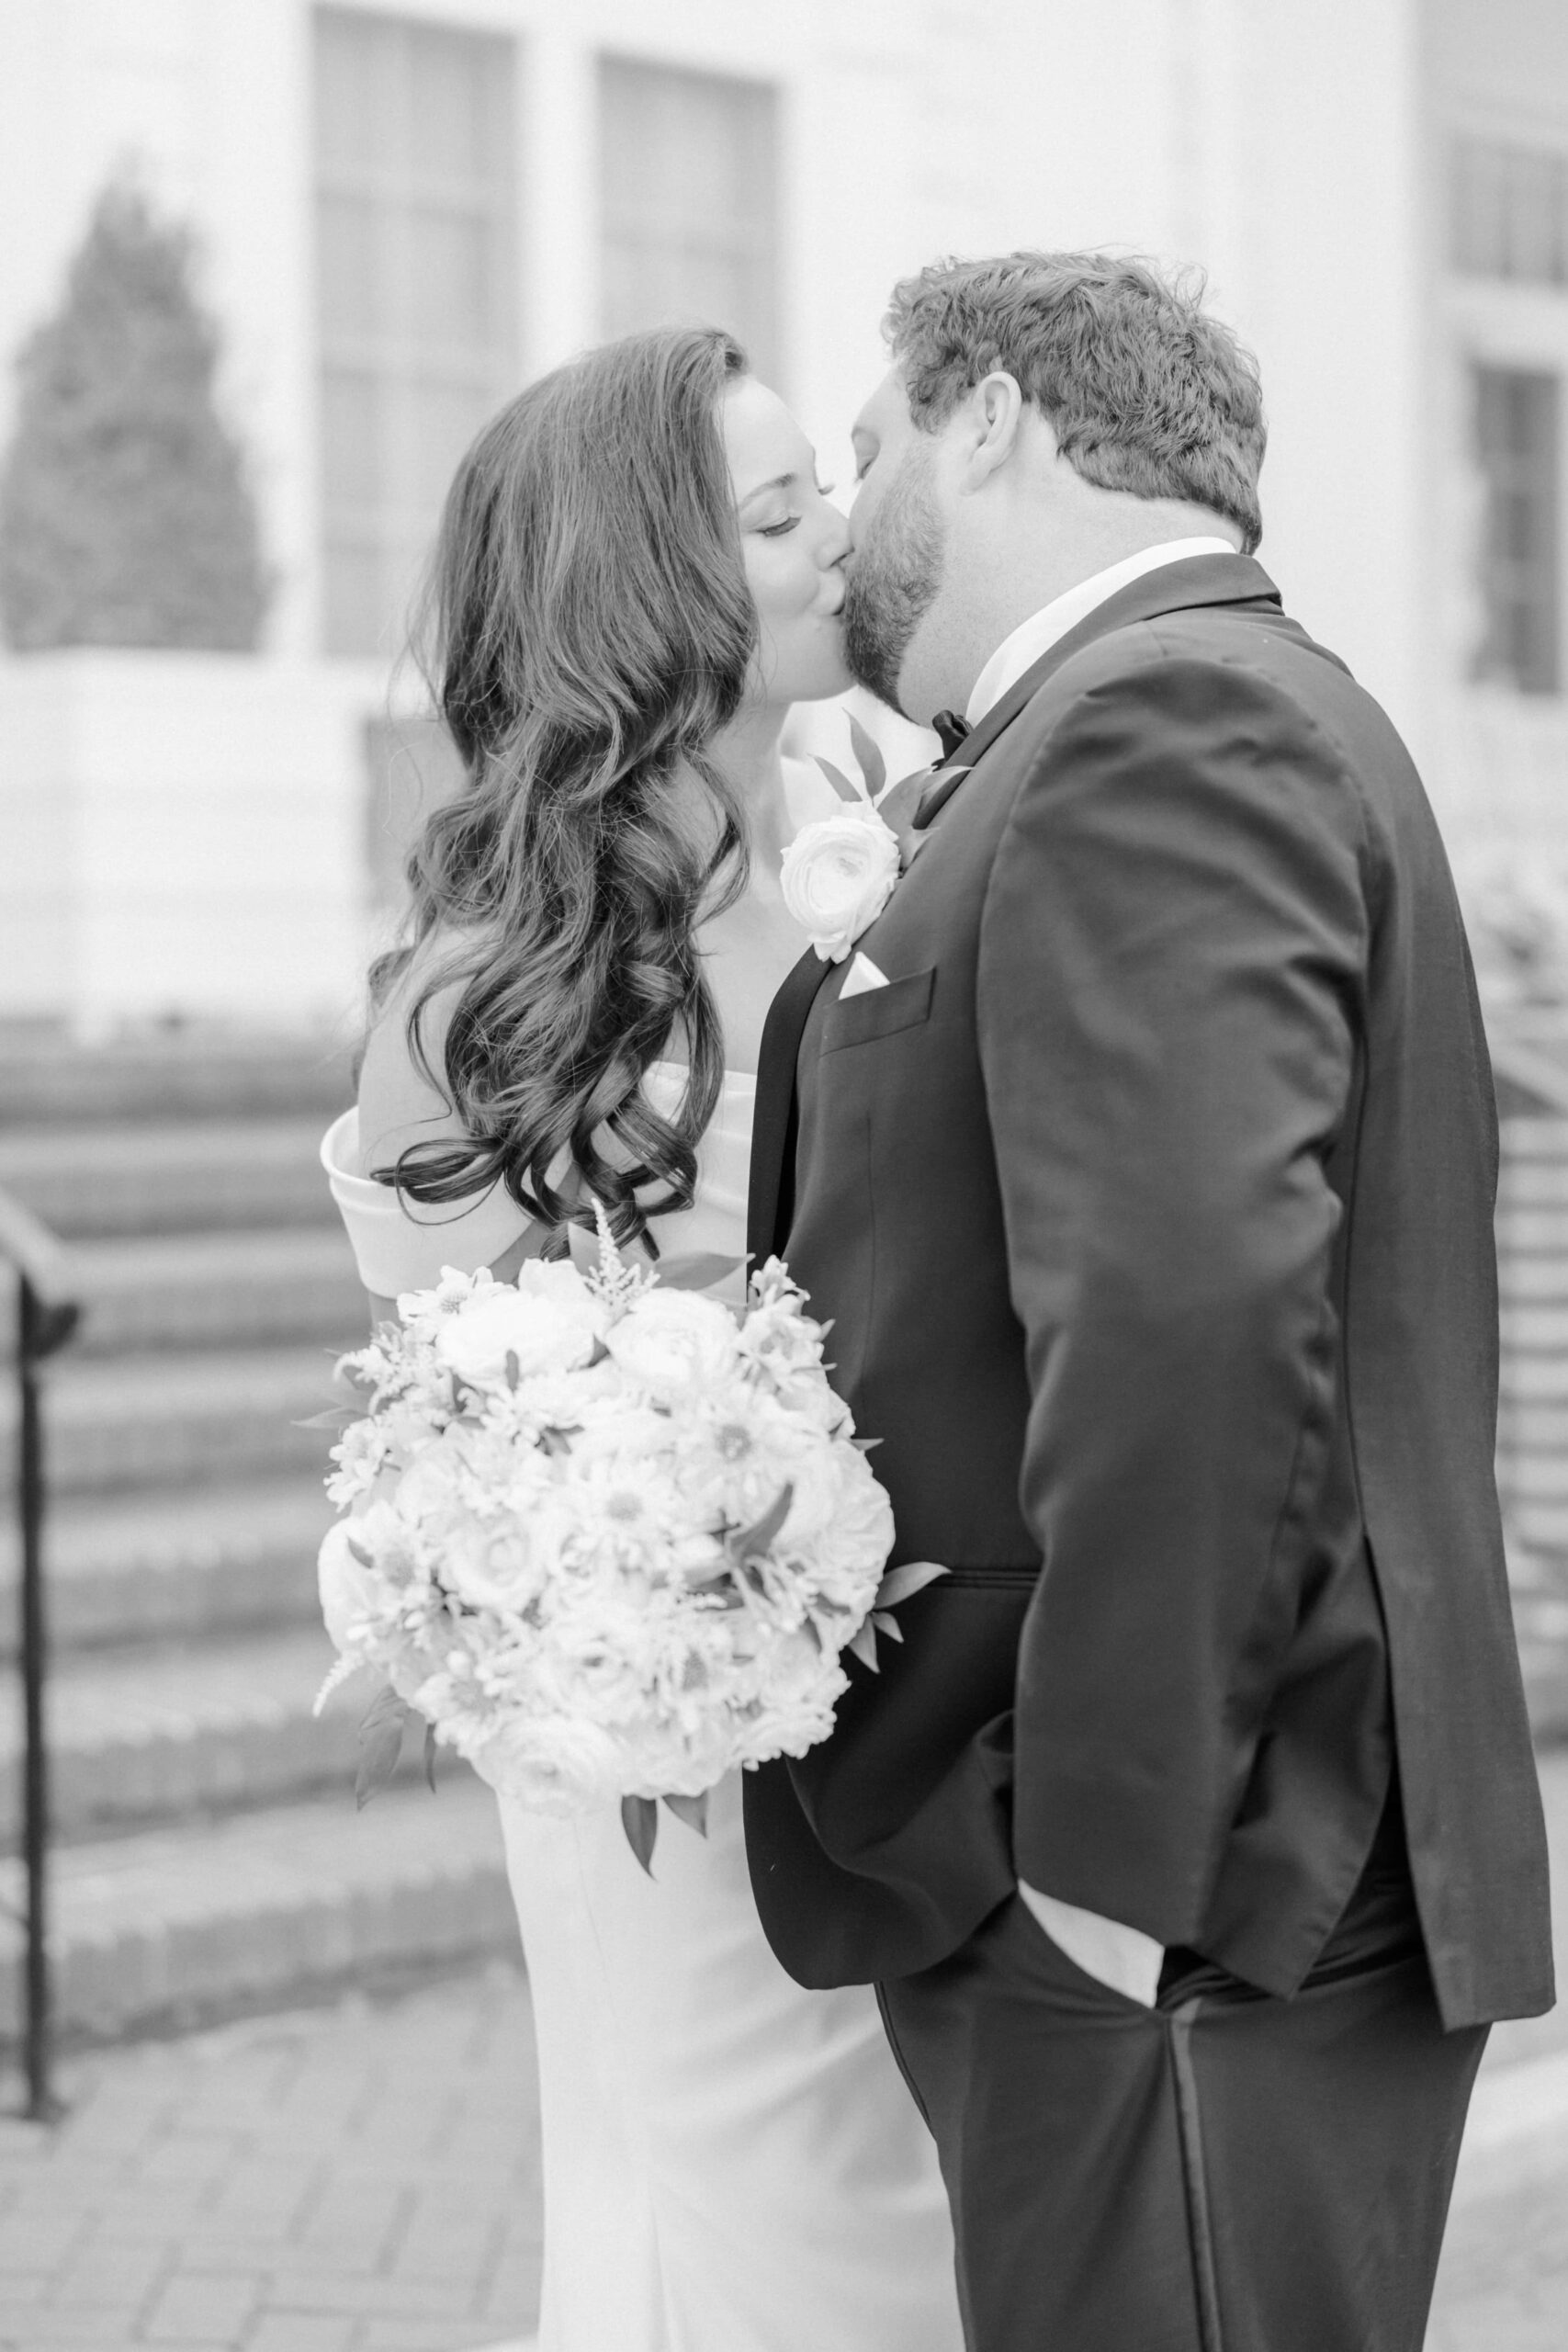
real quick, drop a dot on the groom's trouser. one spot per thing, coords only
(1225, 2172)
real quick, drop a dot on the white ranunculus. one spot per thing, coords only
(548, 1321)
(837, 875)
(674, 1342)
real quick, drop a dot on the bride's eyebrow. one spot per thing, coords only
(780, 482)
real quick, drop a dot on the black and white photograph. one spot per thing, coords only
(783, 1175)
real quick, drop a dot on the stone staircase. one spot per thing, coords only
(209, 1853)
(209, 1858)
(1531, 1055)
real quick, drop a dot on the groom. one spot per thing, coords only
(1191, 1834)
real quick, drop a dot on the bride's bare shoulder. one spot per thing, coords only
(399, 1100)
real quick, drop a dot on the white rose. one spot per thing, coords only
(350, 1575)
(852, 1545)
(837, 875)
(505, 1566)
(559, 1764)
(674, 1342)
(435, 1484)
(550, 1320)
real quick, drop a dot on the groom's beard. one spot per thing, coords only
(892, 583)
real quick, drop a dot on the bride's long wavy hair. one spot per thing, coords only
(587, 632)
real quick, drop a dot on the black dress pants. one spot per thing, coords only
(1225, 2172)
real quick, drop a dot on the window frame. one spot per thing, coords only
(768, 350)
(388, 530)
(1499, 322)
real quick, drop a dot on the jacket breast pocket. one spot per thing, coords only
(878, 1012)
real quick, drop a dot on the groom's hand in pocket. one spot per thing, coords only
(1125, 1959)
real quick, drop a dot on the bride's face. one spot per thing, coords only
(794, 543)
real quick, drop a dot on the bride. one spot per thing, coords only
(638, 574)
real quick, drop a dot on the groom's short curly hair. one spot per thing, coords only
(1144, 391)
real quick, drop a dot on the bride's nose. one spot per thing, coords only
(833, 540)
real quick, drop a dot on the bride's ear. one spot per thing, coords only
(994, 407)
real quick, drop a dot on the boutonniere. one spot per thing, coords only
(838, 873)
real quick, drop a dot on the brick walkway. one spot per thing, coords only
(1504, 2282)
(365, 2179)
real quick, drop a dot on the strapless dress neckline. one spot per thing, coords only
(401, 1245)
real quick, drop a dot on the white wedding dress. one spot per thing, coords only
(730, 2163)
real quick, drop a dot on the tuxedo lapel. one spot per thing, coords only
(1175, 588)
(773, 1118)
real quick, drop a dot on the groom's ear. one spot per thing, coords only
(994, 413)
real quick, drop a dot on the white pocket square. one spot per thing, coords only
(863, 975)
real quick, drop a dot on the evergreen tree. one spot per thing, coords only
(125, 516)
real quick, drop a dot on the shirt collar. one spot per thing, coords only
(1041, 631)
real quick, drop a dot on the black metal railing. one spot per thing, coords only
(48, 1311)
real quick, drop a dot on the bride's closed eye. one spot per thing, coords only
(777, 530)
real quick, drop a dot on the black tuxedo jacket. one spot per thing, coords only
(1151, 1205)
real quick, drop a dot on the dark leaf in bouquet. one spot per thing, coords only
(901, 1584)
(554, 1440)
(357, 1552)
(639, 1819)
(698, 1269)
(863, 1647)
(380, 1745)
(514, 1370)
(749, 1544)
(693, 1811)
(430, 1756)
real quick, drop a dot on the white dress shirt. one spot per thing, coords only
(1035, 635)
(1119, 1956)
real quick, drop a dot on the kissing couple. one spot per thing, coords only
(1115, 1976)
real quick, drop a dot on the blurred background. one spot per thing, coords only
(267, 265)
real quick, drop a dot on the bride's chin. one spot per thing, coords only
(821, 684)
(825, 680)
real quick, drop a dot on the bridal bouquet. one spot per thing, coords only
(607, 1537)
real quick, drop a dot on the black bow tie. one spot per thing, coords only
(951, 730)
